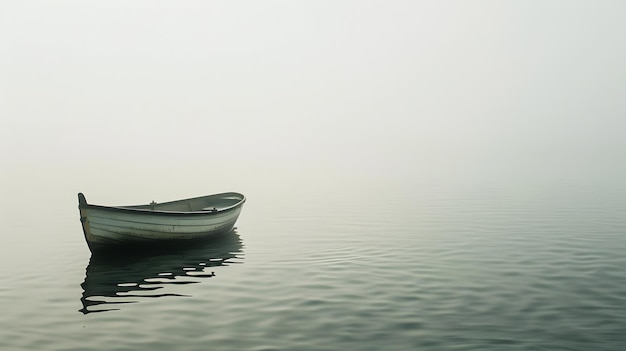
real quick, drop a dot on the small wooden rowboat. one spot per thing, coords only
(168, 222)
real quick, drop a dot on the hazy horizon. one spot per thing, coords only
(234, 92)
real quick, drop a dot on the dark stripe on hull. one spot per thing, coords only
(105, 244)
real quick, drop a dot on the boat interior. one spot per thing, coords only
(211, 203)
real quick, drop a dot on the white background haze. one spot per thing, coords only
(229, 95)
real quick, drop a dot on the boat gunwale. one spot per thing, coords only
(131, 210)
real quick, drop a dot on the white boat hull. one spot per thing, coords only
(108, 227)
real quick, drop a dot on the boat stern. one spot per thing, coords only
(83, 209)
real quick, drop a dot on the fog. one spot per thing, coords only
(108, 96)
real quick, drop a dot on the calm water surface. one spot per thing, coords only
(482, 269)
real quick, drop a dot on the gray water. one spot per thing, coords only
(458, 268)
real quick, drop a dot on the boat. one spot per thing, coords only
(167, 223)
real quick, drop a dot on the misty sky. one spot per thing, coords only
(390, 89)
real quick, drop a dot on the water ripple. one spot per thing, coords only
(473, 271)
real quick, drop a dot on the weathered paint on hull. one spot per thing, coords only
(107, 228)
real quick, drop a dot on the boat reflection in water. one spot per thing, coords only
(119, 278)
